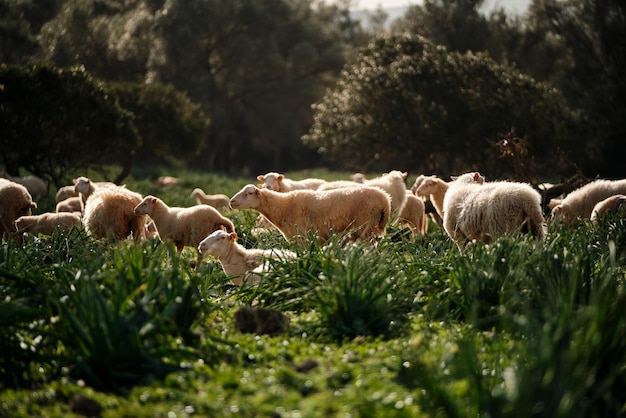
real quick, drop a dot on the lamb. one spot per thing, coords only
(479, 211)
(71, 204)
(218, 201)
(35, 186)
(238, 262)
(64, 192)
(46, 223)
(280, 183)
(364, 211)
(580, 203)
(611, 204)
(183, 226)
(15, 201)
(433, 188)
(109, 214)
(413, 213)
(391, 182)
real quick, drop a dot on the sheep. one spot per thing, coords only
(611, 204)
(413, 213)
(279, 183)
(429, 206)
(151, 230)
(183, 226)
(433, 188)
(218, 201)
(109, 214)
(71, 204)
(15, 201)
(166, 181)
(46, 223)
(64, 192)
(580, 203)
(364, 211)
(35, 186)
(239, 263)
(474, 210)
(358, 178)
(391, 182)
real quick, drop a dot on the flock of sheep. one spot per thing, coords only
(468, 208)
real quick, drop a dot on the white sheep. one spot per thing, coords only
(218, 201)
(279, 183)
(391, 182)
(239, 263)
(433, 188)
(71, 204)
(46, 223)
(15, 201)
(35, 186)
(109, 214)
(183, 226)
(580, 202)
(166, 181)
(611, 204)
(64, 192)
(413, 213)
(364, 211)
(479, 211)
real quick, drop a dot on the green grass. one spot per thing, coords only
(411, 327)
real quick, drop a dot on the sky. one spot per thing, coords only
(517, 6)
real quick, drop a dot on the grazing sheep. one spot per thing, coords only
(362, 210)
(479, 211)
(413, 213)
(64, 192)
(183, 226)
(391, 182)
(46, 223)
(580, 202)
(35, 186)
(166, 181)
(15, 201)
(611, 204)
(280, 183)
(218, 201)
(433, 188)
(239, 263)
(71, 204)
(109, 213)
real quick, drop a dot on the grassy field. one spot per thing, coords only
(410, 328)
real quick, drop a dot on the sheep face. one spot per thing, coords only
(271, 180)
(427, 187)
(246, 198)
(146, 206)
(217, 244)
(81, 185)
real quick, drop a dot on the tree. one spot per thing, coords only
(55, 120)
(172, 128)
(409, 103)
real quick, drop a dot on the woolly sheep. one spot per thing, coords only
(109, 213)
(238, 262)
(64, 192)
(580, 202)
(46, 223)
(279, 183)
(413, 213)
(15, 201)
(478, 211)
(218, 201)
(611, 204)
(183, 226)
(362, 210)
(35, 186)
(391, 182)
(71, 204)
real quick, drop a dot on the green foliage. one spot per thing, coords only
(171, 127)
(54, 120)
(432, 104)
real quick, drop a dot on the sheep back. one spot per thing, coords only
(109, 213)
(580, 202)
(47, 223)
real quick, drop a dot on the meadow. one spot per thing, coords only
(409, 328)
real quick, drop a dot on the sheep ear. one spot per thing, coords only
(405, 174)
(233, 236)
(260, 177)
(453, 178)
(281, 176)
(153, 200)
(476, 176)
